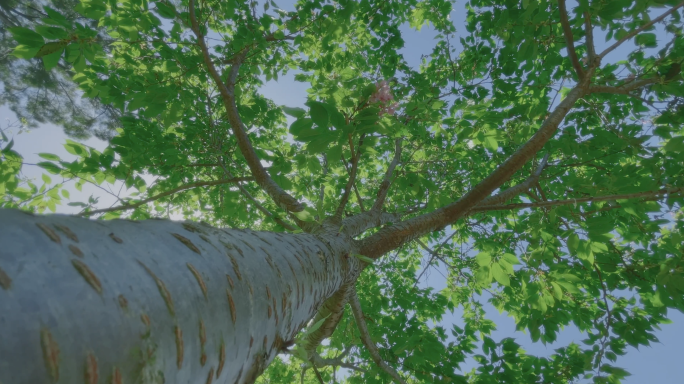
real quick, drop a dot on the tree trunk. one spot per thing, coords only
(156, 301)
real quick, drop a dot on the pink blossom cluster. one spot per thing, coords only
(384, 96)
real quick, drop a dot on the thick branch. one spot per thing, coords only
(567, 32)
(167, 193)
(589, 30)
(227, 91)
(357, 224)
(624, 89)
(395, 236)
(366, 338)
(554, 203)
(384, 186)
(639, 30)
(332, 311)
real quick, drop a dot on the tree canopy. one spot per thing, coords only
(518, 158)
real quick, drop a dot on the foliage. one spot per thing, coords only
(611, 267)
(41, 91)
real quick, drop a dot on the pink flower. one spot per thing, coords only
(383, 96)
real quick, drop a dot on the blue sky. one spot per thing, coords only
(657, 363)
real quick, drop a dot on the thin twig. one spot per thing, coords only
(366, 338)
(638, 30)
(384, 186)
(321, 362)
(517, 189)
(352, 178)
(554, 203)
(167, 193)
(623, 89)
(318, 374)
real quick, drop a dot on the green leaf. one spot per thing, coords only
(75, 148)
(80, 63)
(610, 9)
(313, 328)
(301, 353)
(319, 113)
(92, 9)
(301, 125)
(166, 10)
(573, 243)
(51, 48)
(491, 143)
(646, 39)
(308, 214)
(50, 167)
(500, 275)
(483, 259)
(25, 52)
(557, 291)
(334, 153)
(511, 258)
(49, 156)
(320, 143)
(365, 259)
(51, 60)
(294, 112)
(9, 145)
(27, 37)
(52, 33)
(675, 144)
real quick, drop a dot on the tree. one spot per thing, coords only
(544, 177)
(37, 93)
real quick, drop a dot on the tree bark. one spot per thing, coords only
(155, 301)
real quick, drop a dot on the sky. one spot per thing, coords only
(658, 363)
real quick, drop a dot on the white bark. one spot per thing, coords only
(155, 301)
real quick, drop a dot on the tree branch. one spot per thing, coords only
(321, 193)
(515, 190)
(384, 186)
(318, 374)
(332, 311)
(390, 238)
(352, 178)
(167, 193)
(433, 254)
(227, 91)
(567, 32)
(623, 89)
(589, 31)
(358, 198)
(357, 224)
(553, 203)
(638, 30)
(321, 362)
(366, 338)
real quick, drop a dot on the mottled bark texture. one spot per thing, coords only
(157, 301)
